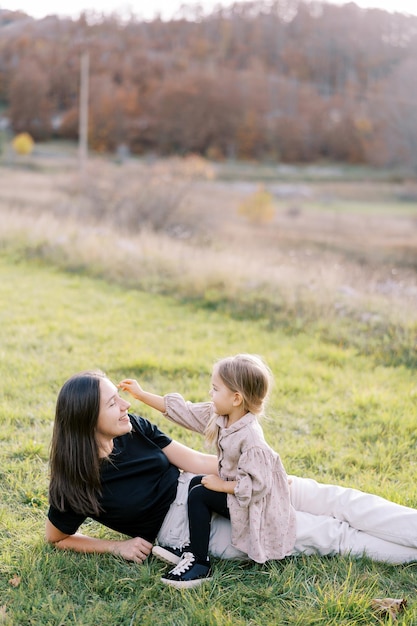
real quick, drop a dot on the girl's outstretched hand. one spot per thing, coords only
(151, 399)
(131, 386)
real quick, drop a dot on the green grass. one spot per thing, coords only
(335, 415)
(327, 172)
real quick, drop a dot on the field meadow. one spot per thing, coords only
(326, 293)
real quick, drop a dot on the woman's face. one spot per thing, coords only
(113, 419)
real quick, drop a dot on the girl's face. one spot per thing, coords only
(113, 419)
(224, 400)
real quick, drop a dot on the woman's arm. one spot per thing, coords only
(136, 549)
(151, 399)
(190, 460)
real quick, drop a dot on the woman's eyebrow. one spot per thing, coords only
(111, 398)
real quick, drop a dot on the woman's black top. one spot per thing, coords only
(138, 485)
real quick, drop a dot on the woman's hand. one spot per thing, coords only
(136, 549)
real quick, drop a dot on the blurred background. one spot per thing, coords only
(288, 81)
(257, 157)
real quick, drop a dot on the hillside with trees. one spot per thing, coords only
(286, 80)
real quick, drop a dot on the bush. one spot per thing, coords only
(259, 207)
(23, 144)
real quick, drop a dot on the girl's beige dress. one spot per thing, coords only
(261, 514)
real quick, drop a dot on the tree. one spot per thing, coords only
(29, 102)
(194, 114)
(397, 115)
(112, 108)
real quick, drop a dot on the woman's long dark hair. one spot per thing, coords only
(74, 458)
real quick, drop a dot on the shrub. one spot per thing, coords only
(259, 207)
(23, 144)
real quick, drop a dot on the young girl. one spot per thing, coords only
(251, 488)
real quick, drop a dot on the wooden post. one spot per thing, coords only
(83, 112)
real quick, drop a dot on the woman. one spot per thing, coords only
(124, 472)
(115, 468)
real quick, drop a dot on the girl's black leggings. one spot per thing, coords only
(202, 502)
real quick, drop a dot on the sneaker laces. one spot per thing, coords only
(187, 561)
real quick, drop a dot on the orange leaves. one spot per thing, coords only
(15, 581)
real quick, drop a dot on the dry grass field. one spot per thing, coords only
(338, 242)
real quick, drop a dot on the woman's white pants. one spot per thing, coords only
(330, 520)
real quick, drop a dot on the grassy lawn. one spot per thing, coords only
(335, 415)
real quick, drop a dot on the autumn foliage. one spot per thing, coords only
(259, 207)
(287, 80)
(23, 144)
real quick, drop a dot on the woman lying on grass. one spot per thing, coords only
(121, 470)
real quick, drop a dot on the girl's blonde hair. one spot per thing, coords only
(248, 375)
